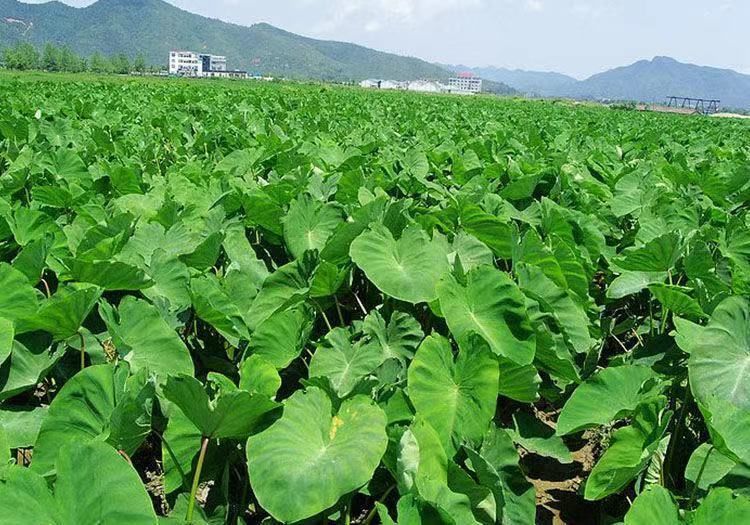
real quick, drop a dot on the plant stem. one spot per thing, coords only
(665, 316)
(83, 351)
(674, 442)
(338, 310)
(196, 481)
(346, 513)
(651, 316)
(126, 457)
(359, 303)
(371, 514)
(694, 493)
(46, 288)
(325, 317)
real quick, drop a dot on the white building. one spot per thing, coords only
(185, 63)
(465, 83)
(392, 84)
(215, 62)
(189, 64)
(225, 74)
(370, 83)
(426, 86)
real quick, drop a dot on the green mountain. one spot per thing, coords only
(654, 80)
(645, 81)
(154, 27)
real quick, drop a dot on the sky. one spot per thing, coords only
(576, 37)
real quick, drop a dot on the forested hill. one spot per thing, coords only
(154, 27)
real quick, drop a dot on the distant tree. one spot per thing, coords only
(22, 56)
(98, 63)
(70, 62)
(51, 59)
(139, 64)
(120, 64)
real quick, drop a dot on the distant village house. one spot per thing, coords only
(463, 84)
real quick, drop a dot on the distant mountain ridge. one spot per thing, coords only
(154, 27)
(644, 81)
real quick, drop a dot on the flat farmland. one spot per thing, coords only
(258, 303)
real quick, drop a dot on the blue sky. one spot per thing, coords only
(577, 37)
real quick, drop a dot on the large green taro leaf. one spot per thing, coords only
(63, 314)
(492, 306)
(496, 467)
(110, 275)
(707, 467)
(258, 376)
(22, 425)
(280, 338)
(18, 298)
(630, 450)
(567, 310)
(623, 389)
(30, 359)
(423, 468)
(658, 255)
(214, 305)
(407, 269)
(720, 359)
(633, 282)
(518, 382)
(309, 224)
(7, 332)
(539, 438)
(285, 288)
(653, 505)
(145, 339)
(345, 363)
(95, 404)
(92, 473)
(722, 507)
(458, 398)
(235, 414)
(94, 484)
(25, 499)
(306, 461)
(398, 338)
(719, 370)
(180, 444)
(470, 251)
(491, 230)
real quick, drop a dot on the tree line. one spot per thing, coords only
(25, 57)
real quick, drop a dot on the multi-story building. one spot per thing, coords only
(213, 62)
(465, 83)
(189, 64)
(185, 63)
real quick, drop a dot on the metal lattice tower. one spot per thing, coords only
(701, 105)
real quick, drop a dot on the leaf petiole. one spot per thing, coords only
(196, 480)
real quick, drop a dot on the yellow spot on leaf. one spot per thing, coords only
(336, 423)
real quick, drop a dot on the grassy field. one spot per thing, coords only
(240, 302)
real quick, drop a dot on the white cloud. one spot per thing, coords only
(373, 15)
(534, 5)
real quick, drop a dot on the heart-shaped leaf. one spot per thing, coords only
(492, 306)
(233, 415)
(407, 269)
(311, 457)
(458, 398)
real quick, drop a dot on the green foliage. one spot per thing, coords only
(24, 56)
(280, 302)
